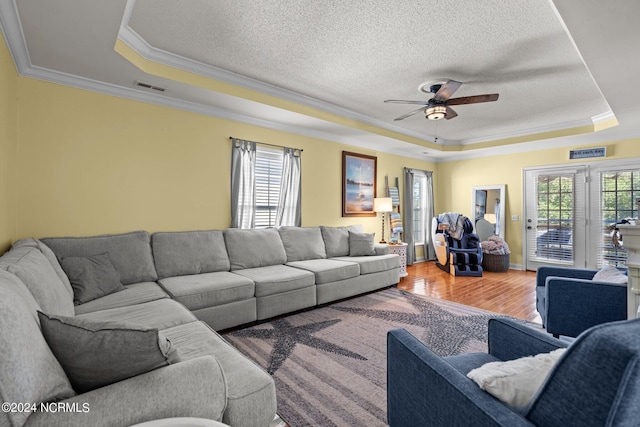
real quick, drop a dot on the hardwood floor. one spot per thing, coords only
(511, 293)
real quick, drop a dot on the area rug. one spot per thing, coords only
(329, 364)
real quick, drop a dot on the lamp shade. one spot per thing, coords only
(382, 204)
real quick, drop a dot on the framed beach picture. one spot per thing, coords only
(358, 184)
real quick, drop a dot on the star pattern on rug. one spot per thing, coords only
(445, 333)
(288, 336)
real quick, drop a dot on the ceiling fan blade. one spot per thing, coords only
(450, 114)
(402, 101)
(404, 116)
(446, 90)
(473, 99)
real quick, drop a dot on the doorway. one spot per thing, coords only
(571, 213)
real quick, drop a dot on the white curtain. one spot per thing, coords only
(288, 212)
(428, 213)
(243, 171)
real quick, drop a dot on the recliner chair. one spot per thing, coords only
(458, 252)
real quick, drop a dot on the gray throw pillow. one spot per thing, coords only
(361, 244)
(336, 239)
(95, 354)
(91, 277)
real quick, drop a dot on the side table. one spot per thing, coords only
(401, 250)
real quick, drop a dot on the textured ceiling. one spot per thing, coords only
(356, 54)
(333, 63)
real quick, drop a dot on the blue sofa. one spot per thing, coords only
(569, 302)
(595, 383)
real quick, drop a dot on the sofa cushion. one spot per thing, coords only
(30, 371)
(251, 391)
(95, 354)
(254, 248)
(336, 239)
(328, 270)
(209, 289)
(189, 252)
(130, 253)
(91, 277)
(160, 314)
(302, 243)
(275, 279)
(374, 264)
(36, 272)
(138, 293)
(361, 244)
(48, 253)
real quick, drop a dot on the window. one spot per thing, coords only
(619, 192)
(268, 178)
(265, 185)
(419, 208)
(555, 217)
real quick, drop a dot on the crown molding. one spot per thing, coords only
(11, 29)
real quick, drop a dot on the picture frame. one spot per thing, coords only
(359, 181)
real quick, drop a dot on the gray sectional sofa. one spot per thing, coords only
(176, 289)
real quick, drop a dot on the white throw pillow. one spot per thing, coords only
(610, 274)
(515, 382)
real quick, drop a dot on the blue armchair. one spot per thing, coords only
(569, 302)
(595, 383)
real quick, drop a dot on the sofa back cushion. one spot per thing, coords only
(37, 274)
(189, 252)
(48, 253)
(254, 248)
(130, 253)
(302, 243)
(30, 372)
(336, 239)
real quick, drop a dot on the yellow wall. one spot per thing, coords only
(74, 162)
(8, 145)
(461, 176)
(91, 163)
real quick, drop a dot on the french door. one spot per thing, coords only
(555, 227)
(571, 213)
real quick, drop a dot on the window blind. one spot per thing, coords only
(268, 178)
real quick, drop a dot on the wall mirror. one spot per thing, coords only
(488, 210)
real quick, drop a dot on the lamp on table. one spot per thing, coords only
(382, 204)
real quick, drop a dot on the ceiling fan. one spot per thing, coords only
(438, 107)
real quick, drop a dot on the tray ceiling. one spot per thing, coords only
(324, 68)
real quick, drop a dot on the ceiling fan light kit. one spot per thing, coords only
(436, 112)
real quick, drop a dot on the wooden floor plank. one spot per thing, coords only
(511, 293)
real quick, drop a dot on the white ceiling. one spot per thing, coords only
(556, 65)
